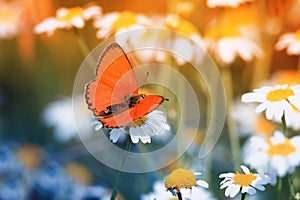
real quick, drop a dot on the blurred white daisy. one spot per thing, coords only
(184, 40)
(118, 22)
(10, 19)
(142, 128)
(59, 115)
(275, 100)
(228, 49)
(225, 3)
(249, 122)
(181, 179)
(187, 48)
(290, 42)
(246, 183)
(159, 193)
(275, 156)
(67, 18)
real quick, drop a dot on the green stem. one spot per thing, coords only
(82, 43)
(291, 185)
(127, 149)
(290, 177)
(91, 62)
(279, 188)
(179, 195)
(233, 136)
(283, 124)
(243, 196)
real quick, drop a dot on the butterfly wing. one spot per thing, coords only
(115, 80)
(145, 106)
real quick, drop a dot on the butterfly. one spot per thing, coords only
(113, 96)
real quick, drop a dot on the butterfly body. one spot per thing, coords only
(129, 102)
(113, 96)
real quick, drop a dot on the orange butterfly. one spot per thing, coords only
(113, 96)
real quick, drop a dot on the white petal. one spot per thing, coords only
(245, 169)
(249, 190)
(232, 190)
(259, 187)
(134, 139)
(202, 183)
(260, 108)
(253, 97)
(98, 126)
(78, 22)
(295, 101)
(280, 165)
(115, 134)
(146, 139)
(224, 175)
(226, 184)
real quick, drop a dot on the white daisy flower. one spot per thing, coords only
(290, 42)
(181, 179)
(143, 128)
(225, 3)
(10, 19)
(159, 193)
(246, 183)
(118, 22)
(67, 18)
(275, 100)
(276, 156)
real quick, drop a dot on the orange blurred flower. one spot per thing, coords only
(289, 41)
(67, 18)
(118, 22)
(235, 33)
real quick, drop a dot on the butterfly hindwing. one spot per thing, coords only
(114, 80)
(145, 106)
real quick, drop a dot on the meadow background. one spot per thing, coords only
(41, 156)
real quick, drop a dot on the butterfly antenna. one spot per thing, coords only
(147, 74)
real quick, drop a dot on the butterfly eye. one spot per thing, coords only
(143, 96)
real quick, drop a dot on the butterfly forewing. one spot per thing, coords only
(115, 80)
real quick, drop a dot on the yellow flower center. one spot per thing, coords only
(71, 14)
(280, 94)
(173, 198)
(281, 149)
(243, 179)
(175, 23)
(264, 126)
(6, 16)
(79, 172)
(297, 35)
(140, 121)
(181, 178)
(30, 156)
(222, 30)
(124, 20)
